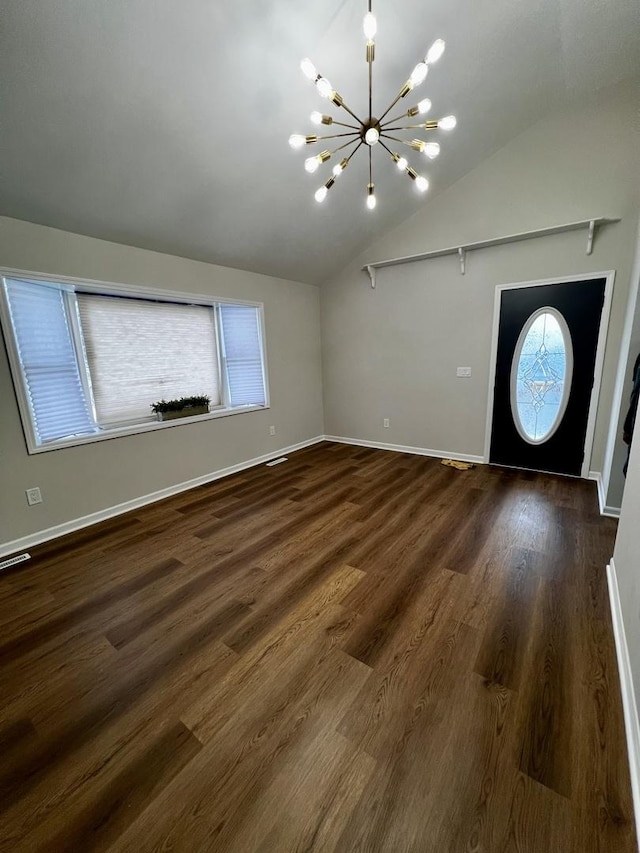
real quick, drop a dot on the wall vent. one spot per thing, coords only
(276, 461)
(14, 560)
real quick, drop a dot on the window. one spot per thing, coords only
(50, 372)
(89, 360)
(139, 351)
(541, 375)
(242, 355)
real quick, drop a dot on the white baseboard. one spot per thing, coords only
(611, 511)
(403, 448)
(102, 515)
(58, 530)
(630, 708)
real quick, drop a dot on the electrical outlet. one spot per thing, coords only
(272, 430)
(463, 372)
(34, 496)
(385, 423)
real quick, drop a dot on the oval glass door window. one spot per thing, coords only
(541, 375)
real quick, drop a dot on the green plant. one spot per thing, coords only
(178, 405)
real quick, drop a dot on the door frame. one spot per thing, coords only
(609, 276)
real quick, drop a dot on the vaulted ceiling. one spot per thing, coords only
(164, 123)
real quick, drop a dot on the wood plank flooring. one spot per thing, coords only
(353, 651)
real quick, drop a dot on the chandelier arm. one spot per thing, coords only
(357, 148)
(387, 149)
(391, 120)
(338, 135)
(395, 139)
(342, 124)
(391, 106)
(410, 127)
(346, 144)
(370, 167)
(351, 113)
(370, 55)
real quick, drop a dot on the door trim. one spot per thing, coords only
(609, 277)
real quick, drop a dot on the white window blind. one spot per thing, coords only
(48, 359)
(243, 354)
(141, 351)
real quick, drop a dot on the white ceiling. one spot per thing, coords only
(164, 123)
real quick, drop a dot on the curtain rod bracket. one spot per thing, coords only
(590, 235)
(462, 255)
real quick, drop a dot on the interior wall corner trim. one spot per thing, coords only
(609, 511)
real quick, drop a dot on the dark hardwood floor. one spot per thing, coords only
(353, 651)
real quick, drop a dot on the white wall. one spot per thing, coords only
(81, 480)
(393, 351)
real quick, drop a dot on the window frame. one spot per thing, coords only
(70, 286)
(567, 382)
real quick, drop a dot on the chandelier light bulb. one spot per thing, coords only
(371, 199)
(321, 194)
(372, 136)
(435, 51)
(447, 123)
(339, 168)
(422, 183)
(370, 26)
(418, 74)
(424, 106)
(325, 89)
(402, 163)
(297, 140)
(431, 150)
(316, 117)
(308, 69)
(311, 164)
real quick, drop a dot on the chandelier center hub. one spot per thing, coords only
(370, 132)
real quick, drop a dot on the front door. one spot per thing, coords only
(545, 363)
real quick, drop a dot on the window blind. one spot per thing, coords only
(47, 355)
(141, 351)
(243, 355)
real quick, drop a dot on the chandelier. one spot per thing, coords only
(373, 131)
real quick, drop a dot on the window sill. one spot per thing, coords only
(136, 429)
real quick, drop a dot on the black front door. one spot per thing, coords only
(547, 343)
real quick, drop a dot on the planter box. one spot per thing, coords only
(189, 412)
